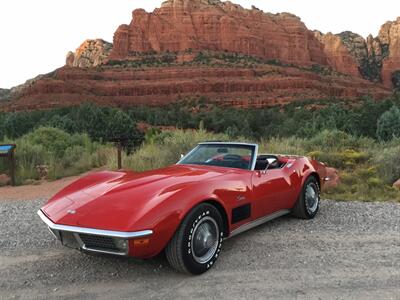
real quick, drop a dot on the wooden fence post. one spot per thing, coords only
(12, 167)
(119, 155)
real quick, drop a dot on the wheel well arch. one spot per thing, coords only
(316, 175)
(223, 213)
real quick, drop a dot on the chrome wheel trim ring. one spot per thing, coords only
(205, 238)
(312, 198)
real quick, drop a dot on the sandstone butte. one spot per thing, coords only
(178, 50)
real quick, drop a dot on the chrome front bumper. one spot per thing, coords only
(93, 240)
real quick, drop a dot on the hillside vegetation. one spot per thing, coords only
(367, 167)
(362, 141)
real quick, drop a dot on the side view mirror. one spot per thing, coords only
(182, 155)
(263, 172)
(262, 169)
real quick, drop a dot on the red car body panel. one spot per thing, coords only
(158, 200)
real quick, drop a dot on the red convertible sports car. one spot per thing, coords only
(216, 191)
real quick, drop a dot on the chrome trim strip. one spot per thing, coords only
(109, 233)
(228, 143)
(187, 154)
(84, 248)
(253, 165)
(259, 221)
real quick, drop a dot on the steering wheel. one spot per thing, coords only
(232, 157)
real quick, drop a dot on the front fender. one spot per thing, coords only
(165, 218)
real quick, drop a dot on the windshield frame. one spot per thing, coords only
(253, 158)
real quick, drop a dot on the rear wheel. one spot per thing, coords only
(307, 204)
(197, 243)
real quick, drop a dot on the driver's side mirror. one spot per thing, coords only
(262, 167)
(263, 172)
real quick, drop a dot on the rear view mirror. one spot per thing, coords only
(222, 150)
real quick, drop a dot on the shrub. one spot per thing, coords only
(387, 160)
(52, 140)
(389, 124)
(396, 79)
(65, 154)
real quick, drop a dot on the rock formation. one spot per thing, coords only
(220, 26)
(91, 53)
(223, 26)
(376, 59)
(389, 37)
(272, 59)
(258, 86)
(338, 55)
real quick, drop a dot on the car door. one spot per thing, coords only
(274, 188)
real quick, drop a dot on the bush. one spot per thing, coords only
(389, 124)
(396, 79)
(387, 160)
(63, 153)
(367, 168)
(52, 140)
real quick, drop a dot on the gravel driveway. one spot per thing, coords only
(349, 251)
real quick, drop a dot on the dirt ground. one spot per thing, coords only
(45, 189)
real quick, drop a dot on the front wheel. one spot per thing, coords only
(197, 243)
(307, 204)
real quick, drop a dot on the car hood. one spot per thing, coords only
(115, 200)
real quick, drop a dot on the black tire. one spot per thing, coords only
(181, 249)
(302, 209)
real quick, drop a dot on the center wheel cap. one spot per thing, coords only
(204, 243)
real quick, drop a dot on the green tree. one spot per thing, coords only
(389, 124)
(90, 119)
(121, 127)
(396, 79)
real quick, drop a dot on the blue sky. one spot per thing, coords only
(36, 35)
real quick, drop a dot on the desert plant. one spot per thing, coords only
(389, 124)
(64, 154)
(387, 160)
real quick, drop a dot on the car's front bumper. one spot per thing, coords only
(94, 240)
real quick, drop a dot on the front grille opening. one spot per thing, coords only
(99, 242)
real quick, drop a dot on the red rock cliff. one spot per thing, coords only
(338, 56)
(389, 37)
(127, 74)
(220, 26)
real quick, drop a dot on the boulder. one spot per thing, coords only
(397, 184)
(4, 179)
(42, 171)
(334, 179)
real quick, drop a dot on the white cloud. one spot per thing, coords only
(36, 35)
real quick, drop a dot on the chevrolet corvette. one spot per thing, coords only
(188, 209)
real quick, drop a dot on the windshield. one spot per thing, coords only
(221, 155)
